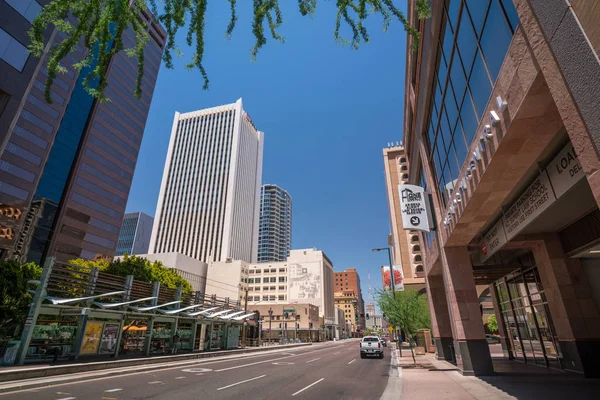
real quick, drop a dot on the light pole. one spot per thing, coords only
(270, 321)
(391, 269)
(245, 311)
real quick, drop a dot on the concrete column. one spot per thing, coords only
(572, 307)
(440, 317)
(506, 349)
(472, 351)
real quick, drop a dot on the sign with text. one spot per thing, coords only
(493, 240)
(413, 207)
(536, 198)
(565, 170)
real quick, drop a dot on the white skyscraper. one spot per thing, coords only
(209, 201)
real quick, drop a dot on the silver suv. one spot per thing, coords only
(371, 346)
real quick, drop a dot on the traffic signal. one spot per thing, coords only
(367, 316)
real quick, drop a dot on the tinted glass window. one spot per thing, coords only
(478, 10)
(27, 8)
(496, 34)
(480, 85)
(12, 51)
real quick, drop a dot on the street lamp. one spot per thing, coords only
(270, 320)
(391, 268)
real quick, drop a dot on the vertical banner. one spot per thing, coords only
(387, 280)
(91, 338)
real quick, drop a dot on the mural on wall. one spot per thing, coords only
(304, 282)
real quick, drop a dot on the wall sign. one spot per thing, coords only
(563, 172)
(413, 207)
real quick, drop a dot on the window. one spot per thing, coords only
(281, 297)
(24, 154)
(27, 8)
(258, 271)
(265, 280)
(12, 51)
(282, 279)
(273, 279)
(16, 171)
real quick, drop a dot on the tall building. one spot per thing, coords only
(136, 231)
(209, 200)
(67, 166)
(275, 229)
(406, 245)
(501, 127)
(348, 282)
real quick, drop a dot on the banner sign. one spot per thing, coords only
(563, 172)
(387, 280)
(108, 343)
(413, 207)
(91, 338)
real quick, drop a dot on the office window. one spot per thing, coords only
(27, 8)
(24, 154)
(12, 51)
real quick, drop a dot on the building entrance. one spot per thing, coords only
(530, 331)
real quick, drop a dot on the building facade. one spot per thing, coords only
(406, 244)
(348, 281)
(135, 234)
(291, 321)
(347, 301)
(503, 133)
(267, 283)
(208, 206)
(67, 166)
(275, 227)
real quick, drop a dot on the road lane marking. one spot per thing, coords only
(199, 374)
(68, 398)
(283, 363)
(351, 361)
(309, 386)
(239, 383)
(180, 377)
(309, 361)
(112, 390)
(337, 353)
(196, 370)
(154, 382)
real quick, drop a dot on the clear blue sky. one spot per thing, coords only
(326, 110)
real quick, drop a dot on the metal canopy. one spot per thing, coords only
(195, 313)
(55, 300)
(243, 316)
(149, 308)
(114, 305)
(219, 313)
(178, 310)
(229, 316)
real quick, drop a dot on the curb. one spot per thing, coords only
(8, 377)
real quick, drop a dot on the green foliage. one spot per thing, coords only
(101, 24)
(408, 310)
(492, 323)
(141, 269)
(14, 297)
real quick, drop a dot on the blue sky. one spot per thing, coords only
(326, 110)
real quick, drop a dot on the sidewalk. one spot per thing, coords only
(23, 372)
(436, 379)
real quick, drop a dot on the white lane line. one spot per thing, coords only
(154, 382)
(309, 361)
(351, 361)
(180, 377)
(309, 386)
(68, 398)
(239, 383)
(337, 353)
(112, 390)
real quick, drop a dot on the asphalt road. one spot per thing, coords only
(332, 370)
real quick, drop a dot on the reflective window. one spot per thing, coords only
(480, 85)
(478, 10)
(55, 97)
(511, 12)
(27, 8)
(13, 191)
(12, 51)
(99, 240)
(97, 157)
(112, 150)
(16, 171)
(43, 106)
(84, 183)
(496, 35)
(76, 197)
(24, 154)
(104, 178)
(35, 120)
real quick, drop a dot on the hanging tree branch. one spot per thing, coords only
(100, 25)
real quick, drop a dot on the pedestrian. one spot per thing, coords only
(175, 343)
(49, 350)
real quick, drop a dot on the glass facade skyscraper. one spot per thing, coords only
(275, 231)
(67, 166)
(135, 235)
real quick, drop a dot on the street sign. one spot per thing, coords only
(390, 329)
(290, 311)
(413, 207)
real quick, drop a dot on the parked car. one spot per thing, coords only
(492, 339)
(371, 346)
(383, 342)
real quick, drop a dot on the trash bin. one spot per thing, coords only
(12, 346)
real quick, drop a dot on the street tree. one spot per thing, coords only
(100, 25)
(406, 310)
(492, 324)
(14, 295)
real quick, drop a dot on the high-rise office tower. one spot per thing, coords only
(275, 229)
(209, 198)
(135, 235)
(66, 167)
